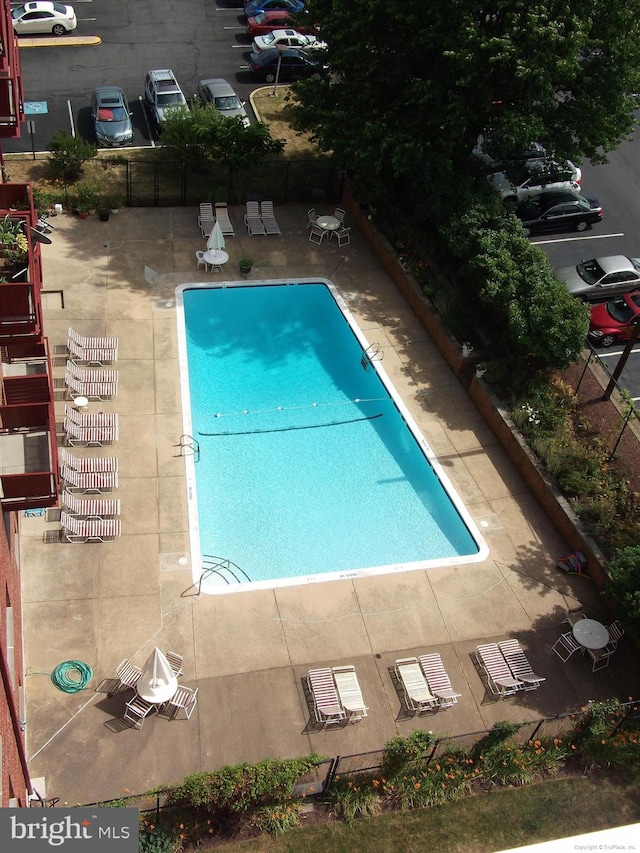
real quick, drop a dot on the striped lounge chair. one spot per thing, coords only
(80, 530)
(326, 704)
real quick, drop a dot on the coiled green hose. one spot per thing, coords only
(71, 676)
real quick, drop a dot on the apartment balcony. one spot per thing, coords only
(11, 85)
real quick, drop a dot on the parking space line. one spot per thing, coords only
(573, 239)
(146, 121)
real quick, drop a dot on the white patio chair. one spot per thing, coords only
(500, 680)
(519, 664)
(312, 217)
(201, 261)
(128, 673)
(438, 680)
(349, 692)
(572, 618)
(184, 699)
(326, 704)
(600, 658)
(317, 234)
(343, 235)
(175, 662)
(565, 646)
(616, 631)
(416, 691)
(339, 213)
(137, 709)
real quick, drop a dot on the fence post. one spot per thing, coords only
(537, 729)
(331, 774)
(433, 752)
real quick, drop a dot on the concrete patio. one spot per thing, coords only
(248, 652)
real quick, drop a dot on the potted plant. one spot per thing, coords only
(115, 201)
(86, 197)
(245, 266)
(14, 247)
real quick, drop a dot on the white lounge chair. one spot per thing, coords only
(89, 388)
(438, 680)
(326, 704)
(85, 464)
(222, 218)
(101, 342)
(205, 218)
(89, 481)
(81, 530)
(91, 507)
(414, 685)
(268, 218)
(90, 435)
(349, 692)
(92, 355)
(86, 419)
(500, 680)
(519, 664)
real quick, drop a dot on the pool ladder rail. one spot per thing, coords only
(223, 568)
(371, 354)
(188, 444)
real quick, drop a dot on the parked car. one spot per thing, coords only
(286, 38)
(266, 22)
(537, 175)
(553, 210)
(162, 93)
(598, 278)
(43, 17)
(293, 64)
(218, 92)
(615, 320)
(254, 6)
(111, 116)
(535, 151)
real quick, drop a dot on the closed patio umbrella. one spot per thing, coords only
(216, 240)
(157, 683)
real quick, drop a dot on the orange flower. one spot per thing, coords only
(417, 785)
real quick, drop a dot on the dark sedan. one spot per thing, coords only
(293, 64)
(555, 210)
(111, 116)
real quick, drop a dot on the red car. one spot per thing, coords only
(265, 22)
(615, 320)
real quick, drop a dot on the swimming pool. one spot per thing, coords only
(309, 465)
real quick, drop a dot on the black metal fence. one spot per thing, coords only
(160, 183)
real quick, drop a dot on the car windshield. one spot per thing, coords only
(169, 98)
(261, 17)
(590, 271)
(619, 310)
(269, 37)
(229, 102)
(17, 12)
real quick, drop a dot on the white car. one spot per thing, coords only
(286, 38)
(43, 17)
(538, 175)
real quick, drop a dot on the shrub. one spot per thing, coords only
(624, 588)
(277, 817)
(68, 155)
(605, 737)
(156, 839)
(358, 798)
(401, 753)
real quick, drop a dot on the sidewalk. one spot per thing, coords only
(248, 653)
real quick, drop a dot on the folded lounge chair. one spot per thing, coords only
(326, 704)
(500, 680)
(349, 692)
(91, 507)
(86, 464)
(81, 530)
(519, 665)
(89, 481)
(438, 680)
(414, 685)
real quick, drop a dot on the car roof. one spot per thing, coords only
(285, 33)
(39, 5)
(615, 263)
(549, 197)
(271, 53)
(217, 86)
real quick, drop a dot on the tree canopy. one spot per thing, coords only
(415, 83)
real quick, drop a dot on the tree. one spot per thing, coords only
(405, 114)
(68, 154)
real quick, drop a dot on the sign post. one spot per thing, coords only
(34, 108)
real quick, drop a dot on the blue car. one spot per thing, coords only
(252, 8)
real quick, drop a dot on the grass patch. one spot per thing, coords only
(274, 111)
(482, 824)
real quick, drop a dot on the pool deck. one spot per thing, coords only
(248, 653)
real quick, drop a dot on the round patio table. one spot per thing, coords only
(215, 257)
(328, 223)
(591, 634)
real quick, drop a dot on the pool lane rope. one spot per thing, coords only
(71, 676)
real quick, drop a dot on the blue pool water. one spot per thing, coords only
(308, 467)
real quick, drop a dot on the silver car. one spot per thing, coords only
(219, 93)
(600, 278)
